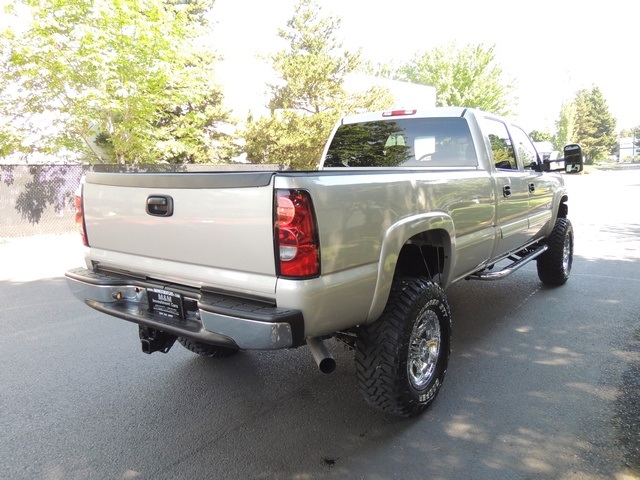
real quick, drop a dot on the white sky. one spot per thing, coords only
(548, 49)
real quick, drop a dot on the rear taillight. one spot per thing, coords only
(296, 235)
(82, 229)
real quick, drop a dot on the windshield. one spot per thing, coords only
(406, 142)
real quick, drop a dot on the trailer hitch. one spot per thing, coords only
(154, 340)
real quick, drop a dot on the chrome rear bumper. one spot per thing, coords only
(212, 318)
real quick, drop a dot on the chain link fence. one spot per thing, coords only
(39, 199)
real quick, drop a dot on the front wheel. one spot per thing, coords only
(401, 358)
(554, 265)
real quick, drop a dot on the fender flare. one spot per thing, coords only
(396, 236)
(560, 198)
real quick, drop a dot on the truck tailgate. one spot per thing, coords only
(210, 228)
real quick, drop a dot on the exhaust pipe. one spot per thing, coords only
(321, 355)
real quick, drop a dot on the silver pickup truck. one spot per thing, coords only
(405, 204)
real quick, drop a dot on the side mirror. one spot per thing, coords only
(573, 160)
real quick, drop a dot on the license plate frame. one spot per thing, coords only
(166, 303)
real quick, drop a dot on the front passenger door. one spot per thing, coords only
(512, 190)
(540, 188)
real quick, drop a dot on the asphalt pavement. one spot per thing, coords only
(544, 383)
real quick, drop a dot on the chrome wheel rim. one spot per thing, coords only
(424, 349)
(566, 254)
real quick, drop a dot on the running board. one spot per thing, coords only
(509, 269)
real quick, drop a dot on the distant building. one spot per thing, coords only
(628, 151)
(547, 151)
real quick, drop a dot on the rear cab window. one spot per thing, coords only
(407, 142)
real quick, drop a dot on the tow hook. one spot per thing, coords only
(153, 340)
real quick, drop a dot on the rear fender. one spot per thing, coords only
(395, 238)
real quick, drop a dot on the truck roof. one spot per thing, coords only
(405, 113)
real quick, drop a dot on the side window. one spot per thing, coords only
(503, 154)
(526, 150)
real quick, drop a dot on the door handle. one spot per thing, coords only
(532, 188)
(506, 191)
(160, 205)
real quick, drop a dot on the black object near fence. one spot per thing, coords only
(39, 199)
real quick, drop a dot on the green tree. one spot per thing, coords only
(310, 95)
(467, 77)
(382, 70)
(288, 138)
(538, 136)
(594, 125)
(115, 80)
(565, 126)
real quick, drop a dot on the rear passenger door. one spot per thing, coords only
(512, 189)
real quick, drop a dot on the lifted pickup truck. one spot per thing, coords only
(405, 204)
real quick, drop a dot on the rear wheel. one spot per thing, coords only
(207, 350)
(401, 358)
(554, 265)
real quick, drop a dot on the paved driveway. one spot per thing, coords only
(543, 382)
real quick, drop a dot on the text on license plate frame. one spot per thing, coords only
(166, 303)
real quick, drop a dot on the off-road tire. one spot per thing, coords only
(390, 351)
(554, 265)
(207, 350)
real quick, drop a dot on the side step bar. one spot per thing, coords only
(509, 269)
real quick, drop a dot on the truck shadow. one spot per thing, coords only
(522, 398)
(519, 369)
(521, 385)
